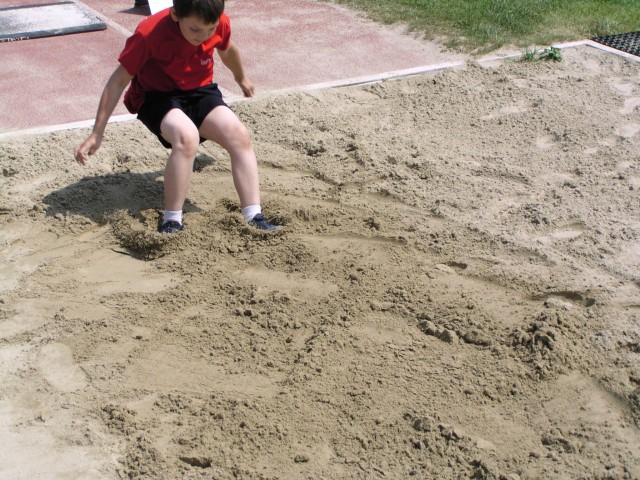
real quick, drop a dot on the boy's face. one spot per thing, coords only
(194, 29)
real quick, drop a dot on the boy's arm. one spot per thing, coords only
(111, 94)
(231, 59)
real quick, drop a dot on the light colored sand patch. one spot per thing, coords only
(628, 131)
(630, 105)
(170, 369)
(34, 452)
(287, 283)
(55, 361)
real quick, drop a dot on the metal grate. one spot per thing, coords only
(625, 42)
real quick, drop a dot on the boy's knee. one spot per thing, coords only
(186, 141)
(240, 135)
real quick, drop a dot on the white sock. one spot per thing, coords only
(172, 215)
(251, 211)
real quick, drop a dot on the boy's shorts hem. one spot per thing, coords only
(196, 104)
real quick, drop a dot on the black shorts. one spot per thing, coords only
(196, 104)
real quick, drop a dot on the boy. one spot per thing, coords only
(168, 63)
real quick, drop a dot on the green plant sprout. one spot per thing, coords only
(548, 54)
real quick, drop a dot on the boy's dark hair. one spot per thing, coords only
(207, 10)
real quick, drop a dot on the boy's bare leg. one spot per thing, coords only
(184, 138)
(223, 127)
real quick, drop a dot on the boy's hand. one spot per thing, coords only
(231, 59)
(247, 87)
(90, 145)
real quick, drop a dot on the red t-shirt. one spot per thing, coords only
(160, 59)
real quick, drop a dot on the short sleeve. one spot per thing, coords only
(223, 31)
(135, 54)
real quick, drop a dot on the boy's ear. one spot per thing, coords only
(174, 17)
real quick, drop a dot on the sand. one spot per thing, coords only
(456, 293)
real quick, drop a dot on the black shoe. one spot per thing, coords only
(261, 224)
(170, 227)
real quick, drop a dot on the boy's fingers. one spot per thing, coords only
(81, 156)
(88, 147)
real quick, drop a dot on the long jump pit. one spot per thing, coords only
(455, 294)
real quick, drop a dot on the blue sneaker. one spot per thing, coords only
(170, 227)
(260, 223)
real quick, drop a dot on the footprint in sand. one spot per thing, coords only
(568, 298)
(625, 88)
(27, 316)
(591, 151)
(629, 130)
(521, 83)
(568, 233)
(55, 362)
(627, 170)
(520, 107)
(629, 105)
(546, 142)
(611, 141)
(625, 132)
(592, 65)
(20, 323)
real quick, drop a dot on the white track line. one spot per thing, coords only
(63, 126)
(363, 80)
(318, 86)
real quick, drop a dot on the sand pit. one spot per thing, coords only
(456, 293)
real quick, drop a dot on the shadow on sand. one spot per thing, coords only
(98, 197)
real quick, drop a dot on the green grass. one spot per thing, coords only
(479, 26)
